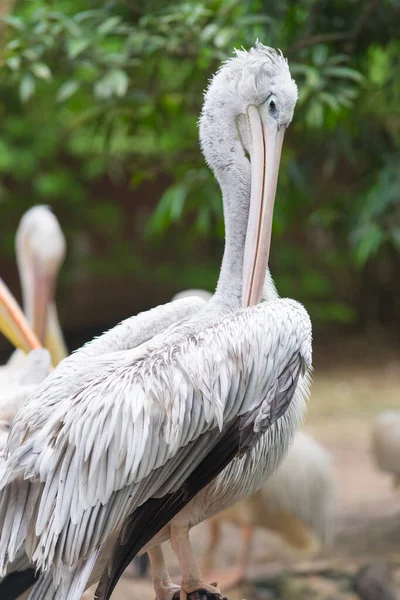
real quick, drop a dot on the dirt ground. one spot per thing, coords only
(344, 402)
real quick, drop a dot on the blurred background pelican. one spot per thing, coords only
(297, 503)
(40, 252)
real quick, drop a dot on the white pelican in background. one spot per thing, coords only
(188, 398)
(40, 252)
(386, 443)
(30, 365)
(27, 372)
(297, 502)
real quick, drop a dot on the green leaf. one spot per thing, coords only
(330, 100)
(336, 59)
(15, 22)
(27, 87)
(120, 81)
(114, 83)
(209, 32)
(14, 62)
(319, 55)
(224, 37)
(67, 90)
(344, 73)
(315, 114)
(108, 25)
(41, 71)
(168, 210)
(77, 46)
(371, 239)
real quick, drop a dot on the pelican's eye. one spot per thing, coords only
(272, 107)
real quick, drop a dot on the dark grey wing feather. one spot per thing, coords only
(275, 404)
(16, 583)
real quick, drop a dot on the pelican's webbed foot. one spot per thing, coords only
(205, 595)
(200, 591)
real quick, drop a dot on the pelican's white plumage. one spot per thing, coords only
(203, 294)
(386, 443)
(298, 500)
(126, 431)
(21, 383)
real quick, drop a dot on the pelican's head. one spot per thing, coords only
(40, 249)
(248, 106)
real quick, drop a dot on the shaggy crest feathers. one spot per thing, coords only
(246, 79)
(252, 62)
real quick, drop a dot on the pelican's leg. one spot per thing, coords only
(163, 585)
(192, 580)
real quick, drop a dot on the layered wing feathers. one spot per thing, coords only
(140, 422)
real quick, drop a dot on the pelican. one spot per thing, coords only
(386, 444)
(297, 502)
(19, 385)
(178, 413)
(40, 252)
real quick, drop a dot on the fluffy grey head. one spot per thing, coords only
(255, 77)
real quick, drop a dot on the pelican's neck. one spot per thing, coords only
(236, 206)
(26, 280)
(54, 339)
(224, 153)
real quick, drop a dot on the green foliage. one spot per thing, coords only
(96, 94)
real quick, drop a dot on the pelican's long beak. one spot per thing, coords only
(13, 323)
(265, 156)
(43, 292)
